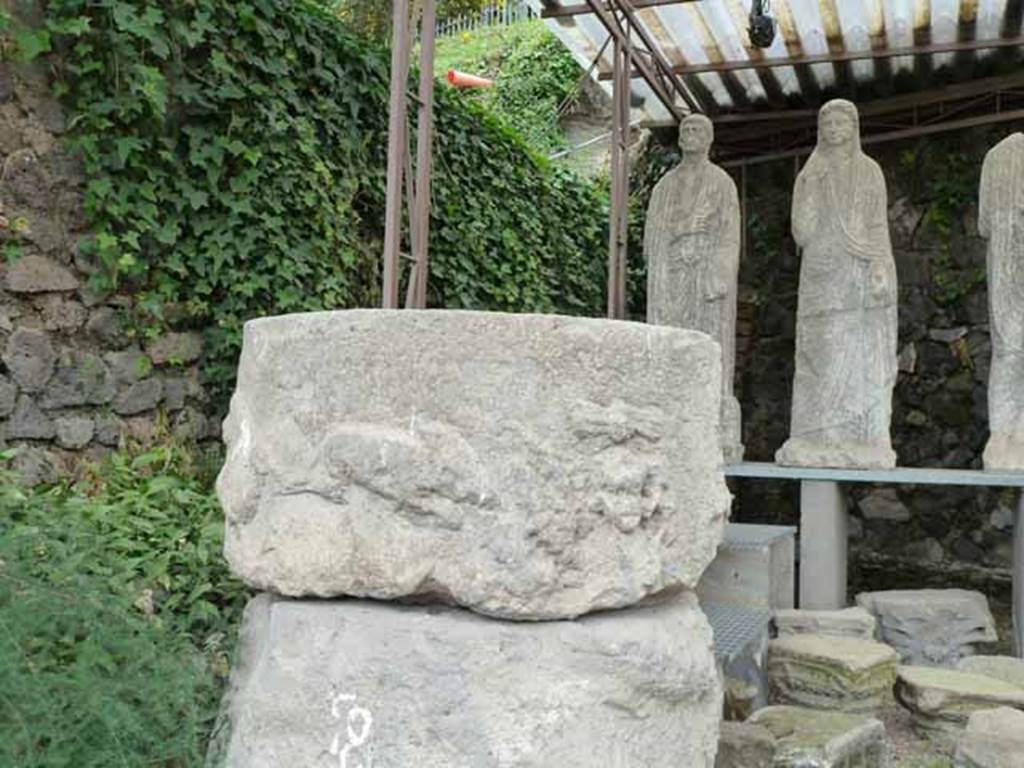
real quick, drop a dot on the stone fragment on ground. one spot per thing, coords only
(993, 738)
(810, 738)
(848, 622)
(524, 466)
(398, 686)
(1009, 669)
(827, 672)
(931, 627)
(941, 700)
(745, 745)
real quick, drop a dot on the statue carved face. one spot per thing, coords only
(695, 135)
(836, 127)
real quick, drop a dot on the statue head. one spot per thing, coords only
(838, 125)
(696, 133)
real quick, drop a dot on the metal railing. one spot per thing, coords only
(493, 15)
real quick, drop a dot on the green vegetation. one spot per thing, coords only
(236, 153)
(533, 73)
(117, 615)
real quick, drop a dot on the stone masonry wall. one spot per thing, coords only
(74, 383)
(900, 536)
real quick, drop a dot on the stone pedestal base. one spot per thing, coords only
(800, 452)
(360, 683)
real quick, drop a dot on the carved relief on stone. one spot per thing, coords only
(1001, 222)
(692, 247)
(846, 319)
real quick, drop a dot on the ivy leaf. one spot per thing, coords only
(32, 43)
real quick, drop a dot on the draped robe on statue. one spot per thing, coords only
(846, 318)
(691, 243)
(1001, 222)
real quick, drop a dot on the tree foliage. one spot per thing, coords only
(236, 154)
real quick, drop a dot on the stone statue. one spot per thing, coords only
(692, 247)
(1001, 222)
(846, 319)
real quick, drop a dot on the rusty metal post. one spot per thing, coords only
(396, 153)
(618, 229)
(420, 220)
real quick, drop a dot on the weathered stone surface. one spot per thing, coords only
(931, 627)
(60, 314)
(1009, 669)
(104, 325)
(828, 672)
(808, 738)
(525, 466)
(884, 504)
(37, 274)
(692, 248)
(1001, 223)
(109, 429)
(848, 622)
(846, 320)
(941, 700)
(175, 390)
(994, 738)
(744, 745)
(36, 466)
(138, 397)
(81, 378)
(177, 347)
(401, 686)
(30, 358)
(74, 432)
(129, 365)
(8, 396)
(27, 422)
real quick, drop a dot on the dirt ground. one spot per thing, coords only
(909, 750)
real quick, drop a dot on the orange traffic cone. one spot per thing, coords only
(462, 80)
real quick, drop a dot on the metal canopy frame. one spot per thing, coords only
(743, 136)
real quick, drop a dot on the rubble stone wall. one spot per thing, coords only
(74, 381)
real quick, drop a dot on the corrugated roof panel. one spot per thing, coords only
(706, 32)
(899, 30)
(944, 23)
(855, 25)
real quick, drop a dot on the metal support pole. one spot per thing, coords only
(823, 546)
(618, 233)
(396, 153)
(420, 219)
(1018, 579)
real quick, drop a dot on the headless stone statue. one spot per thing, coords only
(692, 247)
(1001, 222)
(846, 319)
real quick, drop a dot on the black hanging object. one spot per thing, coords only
(762, 24)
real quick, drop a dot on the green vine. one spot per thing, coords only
(235, 155)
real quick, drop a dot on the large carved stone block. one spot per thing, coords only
(941, 700)
(826, 672)
(808, 738)
(528, 467)
(354, 682)
(931, 627)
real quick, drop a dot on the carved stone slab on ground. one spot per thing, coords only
(994, 738)
(401, 686)
(848, 622)
(827, 672)
(524, 466)
(809, 737)
(941, 700)
(745, 745)
(1009, 669)
(931, 627)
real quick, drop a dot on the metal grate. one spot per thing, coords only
(744, 536)
(735, 628)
